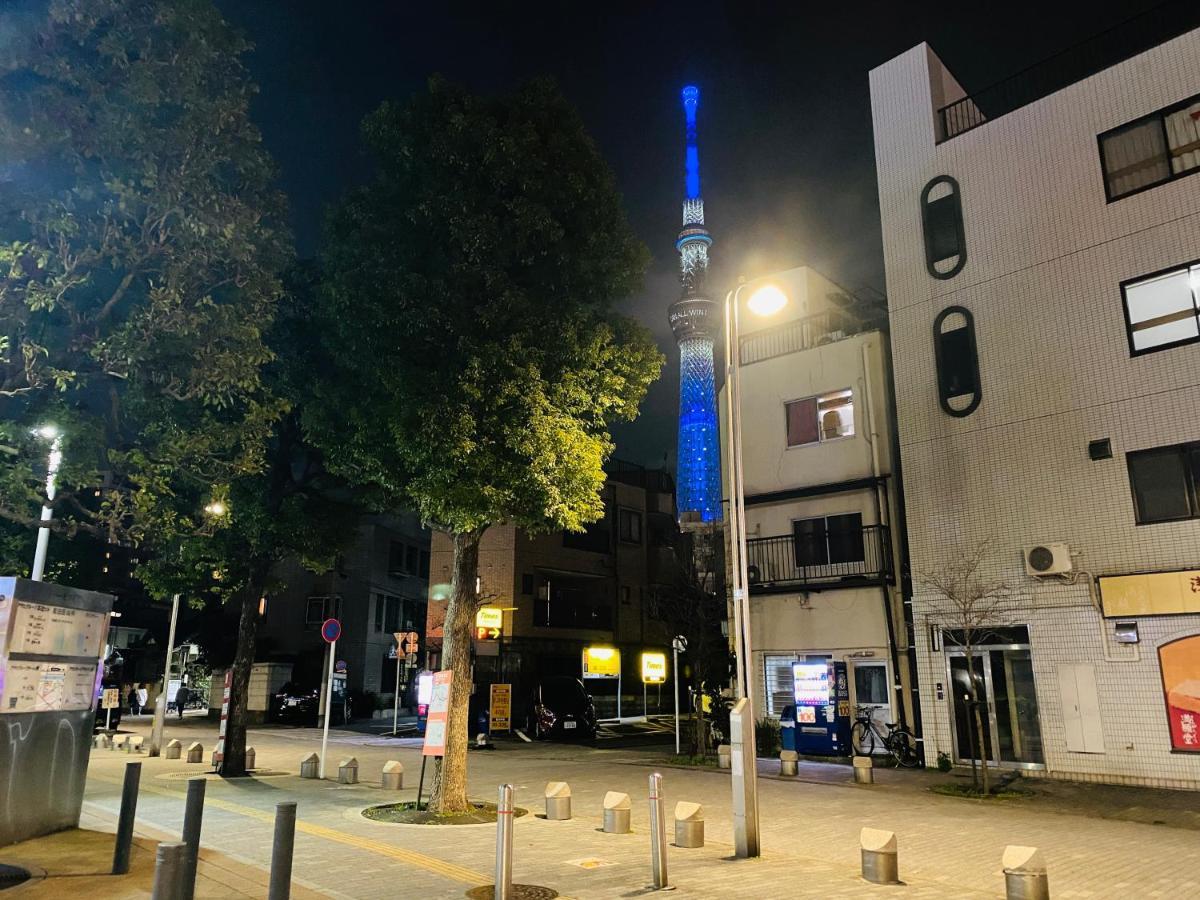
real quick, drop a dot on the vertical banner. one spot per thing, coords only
(219, 753)
(439, 710)
(500, 717)
(1180, 664)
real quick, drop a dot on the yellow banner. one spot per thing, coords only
(1151, 594)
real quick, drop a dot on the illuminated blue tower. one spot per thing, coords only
(693, 320)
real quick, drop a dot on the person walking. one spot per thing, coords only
(181, 699)
(143, 697)
(133, 701)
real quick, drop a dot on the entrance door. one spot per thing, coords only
(1003, 678)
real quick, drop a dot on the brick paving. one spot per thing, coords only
(949, 848)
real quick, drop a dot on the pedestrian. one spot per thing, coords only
(143, 698)
(181, 699)
(133, 701)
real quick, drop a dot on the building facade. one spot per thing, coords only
(557, 594)
(1041, 253)
(825, 564)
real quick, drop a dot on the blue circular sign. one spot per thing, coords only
(331, 630)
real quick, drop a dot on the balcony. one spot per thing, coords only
(786, 562)
(798, 335)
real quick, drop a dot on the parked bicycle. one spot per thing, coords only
(866, 735)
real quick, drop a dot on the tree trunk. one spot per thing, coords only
(974, 737)
(233, 763)
(983, 755)
(450, 775)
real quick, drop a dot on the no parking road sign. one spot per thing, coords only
(331, 630)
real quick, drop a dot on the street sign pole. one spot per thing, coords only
(328, 707)
(396, 699)
(678, 645)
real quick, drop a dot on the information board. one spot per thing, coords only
(56, 630)
(47, 686)
(439, 710)
(500, 717)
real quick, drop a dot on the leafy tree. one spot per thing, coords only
(140, 242)
(469, 311)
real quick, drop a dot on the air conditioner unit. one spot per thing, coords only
(1048, 559)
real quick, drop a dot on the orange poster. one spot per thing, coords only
(1180, 664)
(439, 710)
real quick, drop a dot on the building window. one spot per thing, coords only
(318, 609)
(424, 570)
(957, 360)
(396, 561)
(379, 603)
(817, 419)
(631, 526)
(391, 622)
(1164, 483)
(870, 684)
(1163, 310)
(1152, 150)
(828, 540)
(942, 221)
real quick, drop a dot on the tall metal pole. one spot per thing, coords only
(43, 538)
(745, 787)
(328, 709)
(396, 699)
(675, 687)
(160, 707)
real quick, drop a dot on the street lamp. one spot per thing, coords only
(51, 434)
(765, 301)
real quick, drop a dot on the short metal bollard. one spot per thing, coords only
(393, 775)
(504, 844)
(348, 771)
(789, 762)
(864, 770)
(193, 816)
(558, 801)
(310, 766)
(724, 758)
(195, 752)
(174, 749)
(129, 797)
(616, 813)
(1025, 874)
(880, 861)
(250, 758)
(168, 871)
(280, 885)
(658, 834)
(689, 825)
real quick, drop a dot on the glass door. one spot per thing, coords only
(1004, 686)
(966, 732)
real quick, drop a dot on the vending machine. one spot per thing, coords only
(822, 694)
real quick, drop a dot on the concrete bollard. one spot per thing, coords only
(310, 766)
(864, 770)
(101, 741)
(168, 871)
(348, 771)
(880, 862)
(174, 750)
(558, 801)
(195, 752)
(789, 762)
(393, 775)
(119, 741)
(724, 759)
(133, 743)
(1025, 874)
(689, 825)
(250, 757)
(616, 813)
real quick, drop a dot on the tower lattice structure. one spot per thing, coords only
(693, 320)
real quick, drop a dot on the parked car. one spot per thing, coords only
(560, 709)
(294, 704)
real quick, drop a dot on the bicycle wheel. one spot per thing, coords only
(904, 747)
(862, 739)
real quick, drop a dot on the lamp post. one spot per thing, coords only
(766, 301)
(52, 434)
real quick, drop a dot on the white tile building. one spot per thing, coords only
(820, 496)
(1072, 246)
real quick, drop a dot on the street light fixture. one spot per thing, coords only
(765, 301)
(51, 434)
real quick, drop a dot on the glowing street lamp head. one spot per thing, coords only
(216, 508)
(767, 300)
(49, 432)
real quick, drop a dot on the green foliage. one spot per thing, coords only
(768, 737)
(468, 309)
(944, 763)
(140, 246)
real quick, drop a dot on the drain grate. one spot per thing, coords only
(11, 876)
(519, 892)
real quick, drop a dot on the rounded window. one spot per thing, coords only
(942, 222)
(957, 359)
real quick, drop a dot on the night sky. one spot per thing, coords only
(786, 150)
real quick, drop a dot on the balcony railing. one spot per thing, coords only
(792, 562)
(797, 335)
(1099, 52)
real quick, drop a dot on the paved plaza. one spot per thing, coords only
(949, 847)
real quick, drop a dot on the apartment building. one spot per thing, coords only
(1042, 244)
(825, 562)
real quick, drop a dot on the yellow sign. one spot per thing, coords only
(1151, 594)
(654, 668)
(489, 617)
(601, 662)
(500, 715)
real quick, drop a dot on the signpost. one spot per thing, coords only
(109, 700)
(435, 727)
(603, 662)
(500, 708)
(331, 630)
(678, 645)
(406, 649)
(219, 753)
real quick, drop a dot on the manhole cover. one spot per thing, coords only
(519, 892)
(11, 876)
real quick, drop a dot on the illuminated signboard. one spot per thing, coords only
(812, 684)
(654, 668)
(1151, 594)
(1179, 661)
(489, 623)
(601, 662)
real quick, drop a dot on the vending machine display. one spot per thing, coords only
(822, 695)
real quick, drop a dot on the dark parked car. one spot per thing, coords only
(561, 709)
(294, 704)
